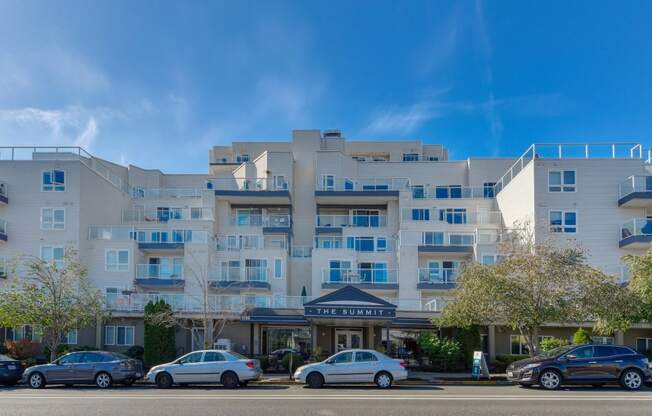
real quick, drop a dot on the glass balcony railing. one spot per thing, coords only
(444, 276)
(436, 238)
(126, 233)
(249, 242)
(244, 184)
(636, 183)
(4, 191)
(240, 274)
(452, 192)
(261, 220)
(165, 193)
(636, 227)
(3, 227)
(330, 183)
(327, 220)
(158, 271)
(356, 243)
(360, 276)
(167, 215)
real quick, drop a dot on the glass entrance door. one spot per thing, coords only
(346, 339)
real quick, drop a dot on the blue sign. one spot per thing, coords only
(355, 312)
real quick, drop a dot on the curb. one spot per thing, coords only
(285, 382)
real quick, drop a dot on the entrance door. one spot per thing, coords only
(346, 339)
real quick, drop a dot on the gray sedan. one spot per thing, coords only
(101, 368)
(211, 366)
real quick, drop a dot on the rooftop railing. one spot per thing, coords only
(359, 276)
(362, 184)
(569, 151)
(636, 183)
(247, 184)
(165, 193)
(64, 153)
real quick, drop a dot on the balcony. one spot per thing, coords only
(439, 242)
(4, 196)
(363, 278)
(359, 244)
(155, 275)
(3, 230)
(330, 189)
(240, 278)
(452, 192)
(636, 233)
(148, 239)
(165, 193)
(452, 216)
(327, 223)
(242, 190)
(437, 278)
(166, 215)
(249, 242)
(271, 223)
(636, 192)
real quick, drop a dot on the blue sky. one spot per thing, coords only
(157, 83)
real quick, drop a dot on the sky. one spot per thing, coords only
(157, 83)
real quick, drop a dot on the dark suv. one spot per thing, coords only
(583, 364)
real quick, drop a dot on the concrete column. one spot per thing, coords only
(491, 334)
(389, 341)
(313, 337)
(619, 337)
(256, 339)
(369, 338)
(99, 329)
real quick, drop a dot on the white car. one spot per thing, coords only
(353, 366)
(203, 367)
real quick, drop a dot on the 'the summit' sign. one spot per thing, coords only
(350, 312)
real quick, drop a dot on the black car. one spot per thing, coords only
(583, 364)
(10, 370)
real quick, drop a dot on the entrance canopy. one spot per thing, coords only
(349, 304)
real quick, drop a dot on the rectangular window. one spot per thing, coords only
(117, 260)
(360, 243)
(278, 269)
(489, 189)
(432, 238)
(448, 192)
(561, 181)
(381, 244)
(603, 340)
(53, 218)
(118, 335)
(196, 213)
(418, 192)
(410, 157)
(242, 158)
(70, 338)
(563, 221)
(643, 345)
(518, 345)
(53, 254)
(453, 215)
(460, 239)
(328, 182)
(53, 181)
(280, 184)
(489, 259)
(420, 214)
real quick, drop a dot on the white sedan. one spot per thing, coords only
(353, 366)
(203, 367)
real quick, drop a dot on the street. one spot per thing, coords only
(339, 400)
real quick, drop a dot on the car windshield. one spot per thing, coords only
(5, 358)
(555, 351)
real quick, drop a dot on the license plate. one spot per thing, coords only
(12, 367)
(510, 374)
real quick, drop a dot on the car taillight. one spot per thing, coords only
(251, 364)
(403, 364)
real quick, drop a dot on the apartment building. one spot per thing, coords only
(318, 243)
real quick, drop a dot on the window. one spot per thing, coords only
(563, 222)
(489, 191)
(603, 340)
(53, 254)
(365, 357)
(643, 345)
(212, 356)
(561, 181)
(432, 238)
(278, 268)
(328, 182)
(583, 352)
(118, 335)
(488, 259)
(339, 270)
(93, 357)
(453, 215)
(196, 213)
(460, 239)
(117, 260)
(519, 346)
(250, 216)
(604, 351)
(72, 358)
(193, 357)
(418, 192)
(343, 358)
(381, 244)
(242, 158)
(280, 184)
(365, 218)
(53, 218)
(420, 214)
(53, 181)
(70, 338)
(111, 294)
(256, 270)
(360, 243)
(410, 157)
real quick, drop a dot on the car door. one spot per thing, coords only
(84, 370)
(188, 369)
(366, 366)
(340, 367)
(607, 361)
(213, 365)
(579, 364)
(63, 370)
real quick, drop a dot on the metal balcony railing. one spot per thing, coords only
(360, 276)
(438, 275)
(636, 227)
(158, 271)
(247, 184)
(636, 183)
(328, 220)
(330, 183)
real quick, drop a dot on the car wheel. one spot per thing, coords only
(230, 380)
(315, 380)
(164, 381)
(103, 380)
(383, 380)
(631, 379)
(36, 381)
(550, 380)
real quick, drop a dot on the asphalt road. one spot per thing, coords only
(332, 401)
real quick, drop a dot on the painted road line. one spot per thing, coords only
(334, 397)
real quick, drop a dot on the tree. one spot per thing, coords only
(551, 343)
(55, 298)
(534, 284)
(159, 339)
(640, 284)
(442, 352)
(470, 341)
(581, 336)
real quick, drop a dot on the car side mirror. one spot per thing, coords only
(570, 356)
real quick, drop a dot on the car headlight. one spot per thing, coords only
(531, 366)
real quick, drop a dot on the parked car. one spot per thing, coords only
(583, 364)
(203, 367)
(353, 366)
(102, 368)
(10, 370)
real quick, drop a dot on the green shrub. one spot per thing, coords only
(159, 338)
(548, 344)
(135, 352)
(442, 352)
(297, 361)
(581, 336)
(469, 340)
(264, 362)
